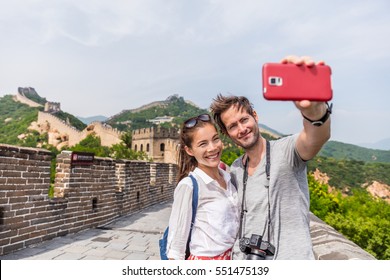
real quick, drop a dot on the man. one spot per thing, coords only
(275, 207)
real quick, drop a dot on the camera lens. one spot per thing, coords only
(275, 81)
(256, 254)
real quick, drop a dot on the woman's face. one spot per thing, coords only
(206, 146)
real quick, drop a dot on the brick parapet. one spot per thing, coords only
(108, 135)
(85, 196)
(23, 99)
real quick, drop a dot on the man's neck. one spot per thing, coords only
(256, 153)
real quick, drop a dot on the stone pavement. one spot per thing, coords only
(135, 237)
(131, 237)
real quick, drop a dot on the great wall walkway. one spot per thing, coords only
(135, 237)
(131, 237)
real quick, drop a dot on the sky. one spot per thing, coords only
(102, 57)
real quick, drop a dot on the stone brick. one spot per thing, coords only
(9, 173)
(32, 181)
(5, 241)
(19, 225)
(13, 247)
(3, 200)
(22, 212)
(18, 206)
(33, 241)
(30, 174)
(16, 181)
(18, 199)
(26, 230)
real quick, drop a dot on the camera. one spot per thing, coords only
(275, 81)
(255, 248)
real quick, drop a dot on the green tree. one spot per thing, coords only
(127, 139)
(122, 151)
(322, 202)
(91, 144)
(359, 217)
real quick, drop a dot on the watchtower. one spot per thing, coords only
(52, 107)
(160, 144)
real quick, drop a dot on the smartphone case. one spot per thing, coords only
(293, 82)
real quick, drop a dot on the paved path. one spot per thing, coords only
(135, 237)
(132, 237)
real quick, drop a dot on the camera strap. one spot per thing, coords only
(244, 180)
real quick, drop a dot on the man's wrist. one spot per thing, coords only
(323, 119)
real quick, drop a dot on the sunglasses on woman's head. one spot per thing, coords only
(190, 123)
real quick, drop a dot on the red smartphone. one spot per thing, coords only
(292, 82)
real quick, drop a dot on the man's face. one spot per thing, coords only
(241, 127)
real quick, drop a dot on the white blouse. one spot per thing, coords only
(217, 217)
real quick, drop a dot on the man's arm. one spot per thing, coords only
(312, 137)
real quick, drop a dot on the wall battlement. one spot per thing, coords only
(85, 196)
(73, 135)
(156, 132)
(23, 99)
(108, 135)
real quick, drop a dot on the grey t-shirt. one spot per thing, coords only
(288, 198)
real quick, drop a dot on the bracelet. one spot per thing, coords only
(324, 117)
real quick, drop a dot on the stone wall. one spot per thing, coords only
(26, 214)
(23, 99)
(86, 196)
(74, 136)
(329, 244)
(108, 135)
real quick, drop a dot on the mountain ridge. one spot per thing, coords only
(185, 108)
(383, 144)
(88, 120)
(161, 103)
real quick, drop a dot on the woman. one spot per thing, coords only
(217, 217)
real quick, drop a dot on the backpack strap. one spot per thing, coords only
(195, 193)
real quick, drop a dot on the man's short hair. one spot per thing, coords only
(223, 103)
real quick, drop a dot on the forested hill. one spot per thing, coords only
(16, 118)
(174, 106)
(339, 150)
